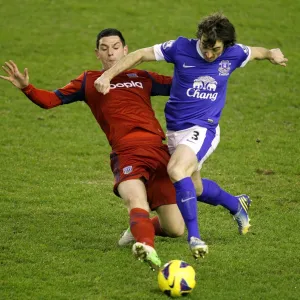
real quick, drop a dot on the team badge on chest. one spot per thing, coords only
(224, 68)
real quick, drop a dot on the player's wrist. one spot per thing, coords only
(270, 54)
(108, 75)
(23, 86)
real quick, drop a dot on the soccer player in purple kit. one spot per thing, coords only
(202, 68)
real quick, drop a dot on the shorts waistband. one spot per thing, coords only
(137, 138)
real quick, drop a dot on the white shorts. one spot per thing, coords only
(201, 140)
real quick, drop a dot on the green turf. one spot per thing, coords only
(59, 219)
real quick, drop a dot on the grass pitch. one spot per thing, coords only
(60, 221)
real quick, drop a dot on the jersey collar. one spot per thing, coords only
(198, 49)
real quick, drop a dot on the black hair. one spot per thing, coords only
(109, 32)
(216, 27)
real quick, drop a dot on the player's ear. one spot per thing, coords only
(125, 50)
(97, 53)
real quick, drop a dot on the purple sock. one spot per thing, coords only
(212, 194)
(186, 201)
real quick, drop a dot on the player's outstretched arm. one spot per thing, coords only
(42, 98)
(275, 56)
(102, 84)
(18, 79)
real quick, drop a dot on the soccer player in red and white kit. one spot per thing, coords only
(139, 157)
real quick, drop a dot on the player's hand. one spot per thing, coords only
(18, 79)
(102, 84)
(277, 57)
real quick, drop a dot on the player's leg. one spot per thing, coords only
(211, 193)
(127, 238)
(162, 198)
(130, 171)
(170, 220)
(182, 165)
(134, 194)
(160, 192)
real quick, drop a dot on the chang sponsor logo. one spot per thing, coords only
(130, 84)
(204, 87)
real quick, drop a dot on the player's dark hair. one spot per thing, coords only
(109, 32)
(216, 27)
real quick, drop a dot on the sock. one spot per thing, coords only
(158, 230)
(141, 226)
(186, 201)
(212, 194)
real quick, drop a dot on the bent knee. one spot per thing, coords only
(180, 169)
(176, 172)
(175, 231)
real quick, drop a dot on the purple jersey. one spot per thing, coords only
(199, 87)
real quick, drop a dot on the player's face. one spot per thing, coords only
(110, 50)
(212, 53)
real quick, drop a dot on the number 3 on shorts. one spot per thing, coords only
(195, 136)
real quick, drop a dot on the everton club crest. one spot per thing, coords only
(224, 68)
